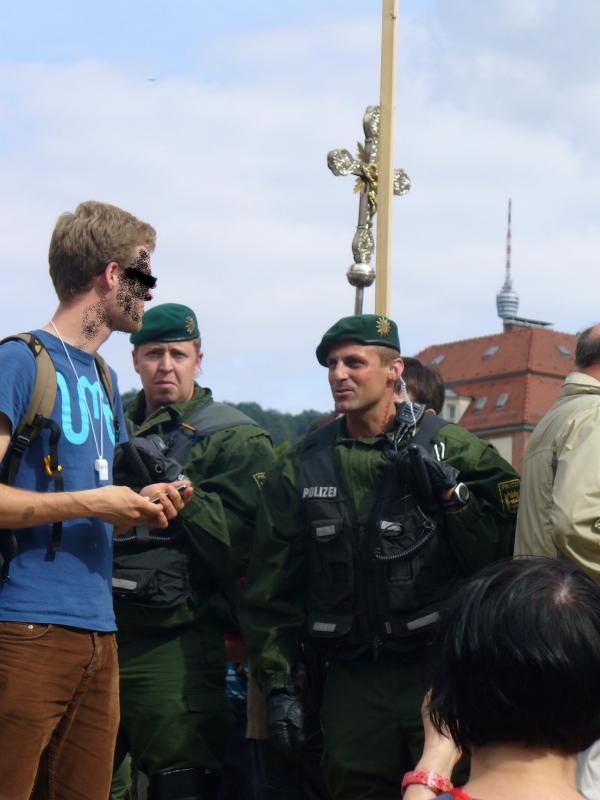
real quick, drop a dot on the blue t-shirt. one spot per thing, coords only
(71, 586)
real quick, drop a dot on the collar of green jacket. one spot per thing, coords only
(577, 383)
(136, 410)
(343, 438)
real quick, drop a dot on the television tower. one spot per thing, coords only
(507, 300)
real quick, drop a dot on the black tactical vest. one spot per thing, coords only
(160, 569)
(382, 584)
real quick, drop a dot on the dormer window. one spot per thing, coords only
(492, 351)
(502, 400)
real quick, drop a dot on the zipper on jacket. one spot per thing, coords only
(371, 599)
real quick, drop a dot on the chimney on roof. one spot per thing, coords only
(507, 300)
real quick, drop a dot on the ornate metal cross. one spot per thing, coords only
(364, 166)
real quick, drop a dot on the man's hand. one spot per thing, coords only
(122, 507)
(442, 477)
(169, 496)
(285, 720)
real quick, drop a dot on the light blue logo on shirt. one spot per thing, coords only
(93, 393)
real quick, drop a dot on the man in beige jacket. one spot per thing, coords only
(559, 513)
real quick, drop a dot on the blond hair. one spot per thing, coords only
(85, 241)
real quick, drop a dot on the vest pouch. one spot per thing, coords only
(405, 546)
(142, 460)
(330, 568)
(156, 577)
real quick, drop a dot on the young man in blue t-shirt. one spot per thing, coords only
(59, 703)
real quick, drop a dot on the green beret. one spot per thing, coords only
(169, 322)
(361, 328)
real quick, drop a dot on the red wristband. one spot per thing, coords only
(433, 780)
(459, 794)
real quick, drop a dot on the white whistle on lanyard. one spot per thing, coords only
(101, 467)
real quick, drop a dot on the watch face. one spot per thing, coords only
(462, 493)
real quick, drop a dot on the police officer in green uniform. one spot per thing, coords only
(175, 717)
(363, 531)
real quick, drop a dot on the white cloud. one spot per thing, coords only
(253, 230)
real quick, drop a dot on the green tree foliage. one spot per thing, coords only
(283, 427)
(127, 397)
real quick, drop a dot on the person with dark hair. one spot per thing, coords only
(59, 704)
(423, 385)
(514, 682)
(560, 510)
(364, 530)
(587, 350)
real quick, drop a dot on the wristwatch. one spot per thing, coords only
(460, 497)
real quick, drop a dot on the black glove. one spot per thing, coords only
(285, 720)
(429, 475)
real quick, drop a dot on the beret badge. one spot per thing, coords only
(190, 325)
(383, 326)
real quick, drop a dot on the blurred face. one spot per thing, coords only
(167, 371)
(359, 381)
(135, 284)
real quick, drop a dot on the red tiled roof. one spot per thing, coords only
(528, 366)
(519, 350)
(529, 397)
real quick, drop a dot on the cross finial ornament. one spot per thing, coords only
(341, 162)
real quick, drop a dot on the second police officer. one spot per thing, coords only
(364, 529)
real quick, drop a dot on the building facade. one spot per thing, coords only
(500, 386)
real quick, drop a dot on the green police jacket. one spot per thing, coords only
(273, 613)
(226, 469)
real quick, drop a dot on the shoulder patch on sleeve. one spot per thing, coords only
(510, 492)
(259, 478)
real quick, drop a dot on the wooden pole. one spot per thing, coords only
(385, 165)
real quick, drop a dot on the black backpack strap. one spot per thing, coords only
(54, 470)
(204, 421)
(213, 417)
(429, 425)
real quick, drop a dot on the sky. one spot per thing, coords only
(212, 121)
